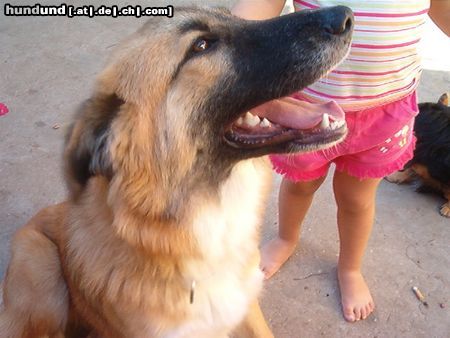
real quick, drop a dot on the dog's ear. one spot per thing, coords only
(87, 144)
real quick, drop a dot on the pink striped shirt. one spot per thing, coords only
(383, 65)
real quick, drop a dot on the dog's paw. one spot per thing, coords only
(445, 210)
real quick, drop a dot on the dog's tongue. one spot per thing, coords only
(298, 114)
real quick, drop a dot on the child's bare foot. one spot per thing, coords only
(274, 254)
(357, 303)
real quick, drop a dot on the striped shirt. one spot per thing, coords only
(383, 65)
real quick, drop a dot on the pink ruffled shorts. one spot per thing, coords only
(380, 141)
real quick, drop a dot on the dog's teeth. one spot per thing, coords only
(253, 122)
(325, 121)
(265, 123)
(256, 118)
(247, 117)
(240, 121)
(251, 119)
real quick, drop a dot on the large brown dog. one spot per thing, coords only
(159, 236)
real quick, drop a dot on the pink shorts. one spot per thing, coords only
(380, 141)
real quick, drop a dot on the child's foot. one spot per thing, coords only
(357, 303)
(274, 254)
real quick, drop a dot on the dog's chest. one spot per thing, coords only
(227, 234)
(231, 224)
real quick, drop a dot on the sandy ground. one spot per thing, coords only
(47, 67)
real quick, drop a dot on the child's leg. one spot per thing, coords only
(355, 199)
(294, 200)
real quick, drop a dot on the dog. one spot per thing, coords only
(159, 234)
(431, 160)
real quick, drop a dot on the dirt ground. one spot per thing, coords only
(47, 67)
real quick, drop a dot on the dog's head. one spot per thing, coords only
(171, 105)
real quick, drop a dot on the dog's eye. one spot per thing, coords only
(202, 44)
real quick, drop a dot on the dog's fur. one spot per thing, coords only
(159, 236)
(431, 161)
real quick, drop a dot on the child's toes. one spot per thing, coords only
(368, 311)
(349, 314)
(363, 312)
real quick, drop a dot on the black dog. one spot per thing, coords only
(431, 161)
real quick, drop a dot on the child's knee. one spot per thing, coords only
(354, 203)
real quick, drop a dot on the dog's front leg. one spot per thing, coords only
(34, 292)
(254, 325)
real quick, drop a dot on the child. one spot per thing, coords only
(375, 86)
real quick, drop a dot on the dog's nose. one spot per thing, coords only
(338, 20)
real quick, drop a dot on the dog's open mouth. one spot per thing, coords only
(287, 120)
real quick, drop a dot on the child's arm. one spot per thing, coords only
(440, 14)
(258, 9)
